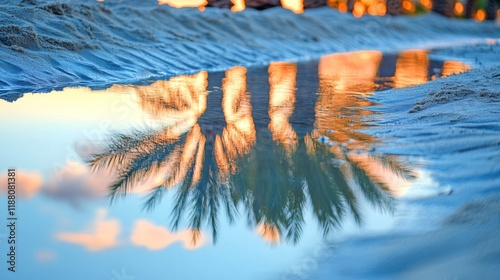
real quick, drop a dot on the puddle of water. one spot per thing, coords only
(241, 172)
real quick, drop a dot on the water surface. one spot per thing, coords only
(232, 175)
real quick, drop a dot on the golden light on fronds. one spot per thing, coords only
(177, 104)
(296, 6)
(426, 4)
(454, 67)
(198, 164)
(238, 5)
(344, 79)
(181, 97)
(458, 8)
(354, 71)
(189, 158)
(282, 83)
(184, 3)
(269, 233)
(236, 101)
(480, 15)
(411, 68)
(221, 159)
(239, 135)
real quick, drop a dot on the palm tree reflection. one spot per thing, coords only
(346, 80)
(273, 178)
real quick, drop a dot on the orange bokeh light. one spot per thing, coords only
(184, 3)
(480, 15)
(239, 5)
(459, 8)
(426, 3)
(408, 6)
(359, 9)
(296, 6)
(342, 7)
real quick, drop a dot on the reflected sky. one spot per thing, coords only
(259, 163)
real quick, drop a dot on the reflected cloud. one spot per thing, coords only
(74, 183)
(102, 235)
(44, 256)
(153, 237)
(28, 184)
